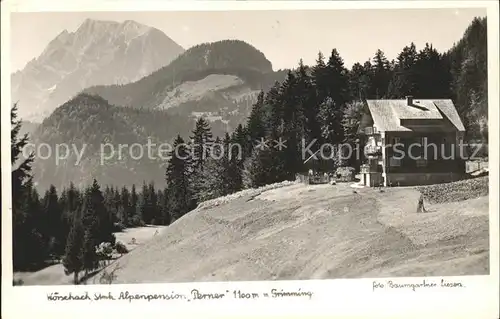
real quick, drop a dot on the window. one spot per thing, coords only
(395, 162)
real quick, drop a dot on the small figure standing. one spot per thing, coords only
(420, 207)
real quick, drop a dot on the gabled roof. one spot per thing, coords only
(388, 115)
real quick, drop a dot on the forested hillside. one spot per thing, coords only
(224, 57)
(469, 79)
(93, 122)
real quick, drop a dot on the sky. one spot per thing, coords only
(283, 36)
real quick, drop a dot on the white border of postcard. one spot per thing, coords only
(340, 298)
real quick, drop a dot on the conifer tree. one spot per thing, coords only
(258, 169)
(73, 257)
(233, 152)
(117, 206)
(165, 207)
(404, 81)
(201, 142)
(255, 122)
(213, 181)
(153, 202)
(160, 198)
(53, 227)
(96, 211)
(32, 246)
(240, 137)
(293, 118)
(144, 204)
(125, 200)
(331, 109)
(133, 215)
(21, 175)
(381, 75)
(318, 77)
(177, 176)
(108, 195)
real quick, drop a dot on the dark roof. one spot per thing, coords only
(387, 114)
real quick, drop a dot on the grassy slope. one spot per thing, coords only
(316, 232)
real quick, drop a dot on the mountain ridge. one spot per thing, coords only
(227, 76)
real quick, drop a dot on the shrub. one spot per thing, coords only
(345, 174)
(104, 251)
(108, 277)
(118, 227)
(121, 248)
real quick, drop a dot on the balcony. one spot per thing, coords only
(373, 150)
(370, 130)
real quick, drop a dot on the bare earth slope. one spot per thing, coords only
(316, 232)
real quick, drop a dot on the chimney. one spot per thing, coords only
(409, 100)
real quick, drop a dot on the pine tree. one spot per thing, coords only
(431, 74)
(381, 75)
(293, 118)
(332, 108)
(96, 211)
(133, 215)
(117, 206)
(97, 226)
(177, 176)
(53, 229)
(255, 122)
(319, 80)
(73, 257)
(160, 199)
(153, 202)
(233, 151)
(21, 175)
(125, 200)
(404, 81)
(165, 207)
(307, 99)
(201, 143)
(108, 195)
(144, 204)
(351, 119)
(240, 140)
(259, 169)
(90, 258)
(32, 243)
(213, 181)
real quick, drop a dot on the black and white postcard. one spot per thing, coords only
(250, 158)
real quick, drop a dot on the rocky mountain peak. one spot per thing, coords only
(98, 53)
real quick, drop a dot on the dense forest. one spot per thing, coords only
(321, 102)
